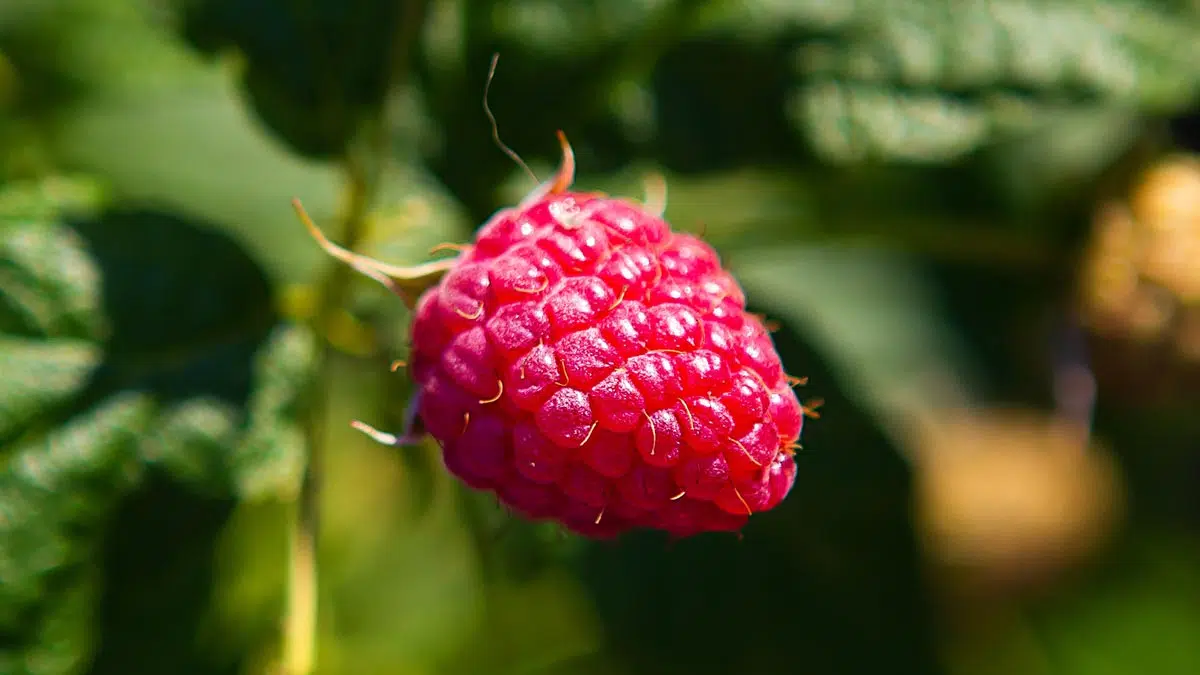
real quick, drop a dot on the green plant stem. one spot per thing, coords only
(300, 628)
(362, 166)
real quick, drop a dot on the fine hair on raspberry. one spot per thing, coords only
(590, 366)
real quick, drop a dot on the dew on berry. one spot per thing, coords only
(729, 313)
(689, 258)
(629, 272)
(758, 353)
(677, 291)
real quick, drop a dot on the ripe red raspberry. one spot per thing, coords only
(594, 368)
(591, 367)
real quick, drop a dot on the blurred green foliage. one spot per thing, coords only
(904, 185)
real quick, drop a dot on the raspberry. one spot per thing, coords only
(589, 366)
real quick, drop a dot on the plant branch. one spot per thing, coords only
(300, 628)
(362, 166)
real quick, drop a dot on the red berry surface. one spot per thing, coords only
(591, 367)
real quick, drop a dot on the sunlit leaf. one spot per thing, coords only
(156, 123)
(54, 495)
(933, 80)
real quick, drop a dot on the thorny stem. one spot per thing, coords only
(362, 166)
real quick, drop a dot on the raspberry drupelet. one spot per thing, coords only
(589, 366)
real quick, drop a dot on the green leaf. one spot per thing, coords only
(55, 493)
(315, 71)
(46, 198)
(538, 25)
(874, 320)
(930, 81)
(133, 343)
(268, 460)
(39, 376)
(51, 289)
(138, 110)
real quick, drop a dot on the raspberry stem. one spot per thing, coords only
(300, 619)
(362, 164)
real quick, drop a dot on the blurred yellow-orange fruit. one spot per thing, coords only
(1139, 286)
(1141, 271)
(1010, 499)
(1168, 196)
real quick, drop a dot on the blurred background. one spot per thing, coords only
(976, 222)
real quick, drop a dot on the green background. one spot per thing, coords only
(905, 186)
